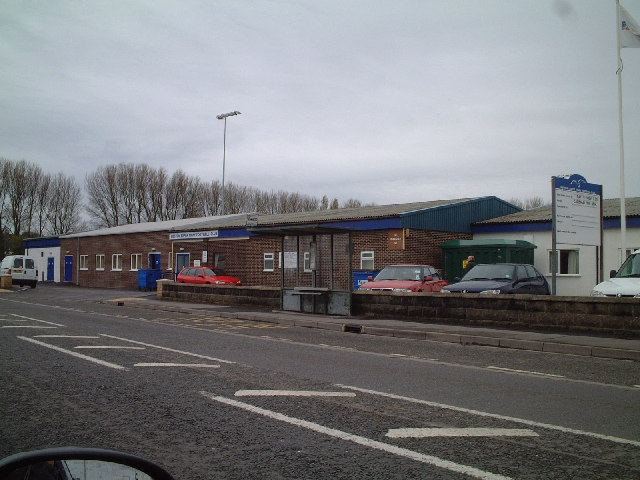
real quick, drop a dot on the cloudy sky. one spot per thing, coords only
(385, 101)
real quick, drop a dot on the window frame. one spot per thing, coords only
(564, 258)
(116, 262)
(100, 261)
(367, 256)
(266, 259)
(83, 262)
(137, 262)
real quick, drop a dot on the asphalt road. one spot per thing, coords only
(208, 397)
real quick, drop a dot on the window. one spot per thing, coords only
(568, 262)
(116, 261)
(307, 261)
(100, 261)
(268, 262)
(84, 262)
(366, 260)
(219, 260)
(136, 261)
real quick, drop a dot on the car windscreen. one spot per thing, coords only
(490, 272)
(630, 268)
(400, 273)
(17, 262)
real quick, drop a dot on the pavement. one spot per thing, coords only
(563, 343)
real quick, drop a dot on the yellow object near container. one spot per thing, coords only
(5, 281)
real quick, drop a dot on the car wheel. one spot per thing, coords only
(33, 285)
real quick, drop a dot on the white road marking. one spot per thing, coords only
(36, 320)
(25, 326)
(12, 320)
(291, 393)
(197, 355)
(106, 347)
(65, 336)
(526, 371)
(494, 415)
(459, 432)
(196, 365)
(366, 442)
(74, 354)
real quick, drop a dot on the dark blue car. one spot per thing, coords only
(501, 278)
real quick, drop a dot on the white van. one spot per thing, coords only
(623, 283)
(21, 268)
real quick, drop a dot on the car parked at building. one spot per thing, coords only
(623, 283)
(206, 276)
(21, 268)
(406, 278)
(501, 278)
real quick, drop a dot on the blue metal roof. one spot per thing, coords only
(457, 217)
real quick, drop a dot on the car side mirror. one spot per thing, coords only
(200, 275)
(612, 273)
(428, 278)
(456, 279)
(370, 278)
(71, 462)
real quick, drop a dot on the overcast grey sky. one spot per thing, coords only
(386, 101)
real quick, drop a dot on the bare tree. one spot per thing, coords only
(102, 194)
(527, 203)
(63, 212)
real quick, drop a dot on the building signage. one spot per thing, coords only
(193, 235)
(577, 211)
(290, 259)
(395, 239)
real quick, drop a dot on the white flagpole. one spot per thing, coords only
(623, 215)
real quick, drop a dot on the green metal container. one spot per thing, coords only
(486, 251)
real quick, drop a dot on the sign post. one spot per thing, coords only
(576, 217)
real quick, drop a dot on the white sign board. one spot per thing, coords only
(577, 217)
(578, 212)
(193, 235)
(290, 259)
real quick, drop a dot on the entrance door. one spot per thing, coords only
(68, 268)
(154, 261)
(50, 269)
(182, 260)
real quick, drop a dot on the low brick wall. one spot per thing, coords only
(259, 297)
(576, 314)
(533, 312)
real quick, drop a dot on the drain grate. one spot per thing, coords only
(351, 328)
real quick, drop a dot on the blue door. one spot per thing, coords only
(154, 261)
(50, 269)
(68, 268)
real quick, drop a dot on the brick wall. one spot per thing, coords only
(245, 258)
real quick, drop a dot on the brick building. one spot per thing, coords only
(306, 248)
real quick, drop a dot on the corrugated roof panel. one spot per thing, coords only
(610, 209)
(457, 217)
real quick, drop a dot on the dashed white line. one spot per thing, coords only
(526, 371)
(459, 432)
(106, 347)
(494, 415)
(84, 337)
(196, 365)
(197, 355)
(36, 320)
(291, 393)
(74, 354)
(366, 442)
(26, 326)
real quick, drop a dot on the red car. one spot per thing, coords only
(206, 276)
(406, 278)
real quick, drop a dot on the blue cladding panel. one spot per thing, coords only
(458, 217)
(41, 242)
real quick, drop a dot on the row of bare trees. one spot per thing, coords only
(128, 193)
(37, 202)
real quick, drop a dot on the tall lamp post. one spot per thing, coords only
(224, 116)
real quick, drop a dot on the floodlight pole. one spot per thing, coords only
(223, 116)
